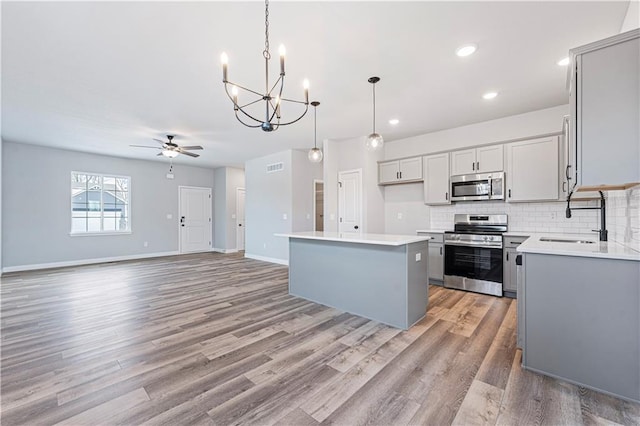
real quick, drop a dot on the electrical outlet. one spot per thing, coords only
(332, 216)
(553, 215)
(418, 257)
(264, 245)
(146, 244)
(169, 216)
(233, 216)
(169, 175)
(284, 216)
(308, 216)
(399, 215)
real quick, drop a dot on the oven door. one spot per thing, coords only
(473, 267)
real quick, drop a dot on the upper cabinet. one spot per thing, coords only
(400, 171)
(532, 170)
(605, 131)
(477, 160)
(436, 179)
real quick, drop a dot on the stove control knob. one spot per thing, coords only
(485, 238)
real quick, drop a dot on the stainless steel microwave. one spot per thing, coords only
(485, 186)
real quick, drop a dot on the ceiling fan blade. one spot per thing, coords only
(192, 147)
(145, 146)
(160, 154)
(159, 141)
(190, 154)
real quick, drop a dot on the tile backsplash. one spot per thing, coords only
(526, 217)
(623, 216)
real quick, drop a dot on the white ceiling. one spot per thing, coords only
(97, 77)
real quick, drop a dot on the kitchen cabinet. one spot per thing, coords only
(532, 170)
(400, 171)
(477, 160)
(436, 257)
(604, 109)
(577, 331)
(436, 179)
(510, 270)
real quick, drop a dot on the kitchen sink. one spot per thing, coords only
(561, 240)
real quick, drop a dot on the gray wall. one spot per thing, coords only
(36, 208)
(220, 213)
(303, 174)
(234, 180)
(1, 148)
(268, 198)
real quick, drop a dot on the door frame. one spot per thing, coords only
(238, 189)
(361, 228)
(180, 187)
(315, 181)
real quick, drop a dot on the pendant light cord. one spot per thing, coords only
(315, 131)
(374, 107)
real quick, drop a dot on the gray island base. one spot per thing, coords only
(380, 277)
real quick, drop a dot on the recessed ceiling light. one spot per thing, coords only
(563, 62)
(490, 95)
(466, 50)
(394, 121)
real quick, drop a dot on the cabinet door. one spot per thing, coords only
(608, 111)
(411, 169)
(436, 179)
(463, 162)
(490, 158)
(510, 282)
(388, 172)
(532, 170)
(436, 262)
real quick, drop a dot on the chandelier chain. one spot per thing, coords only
(266, 52)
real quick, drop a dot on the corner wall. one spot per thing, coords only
(227, 181)
(37, 216)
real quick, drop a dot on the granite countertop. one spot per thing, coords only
(377, 239)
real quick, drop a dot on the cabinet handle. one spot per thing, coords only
(507, 256)
(478, 166)
(440, 251)
(473, 165)
(400, 175)
(446, 196)
(563, 186)
(397, 175)
(509, 193)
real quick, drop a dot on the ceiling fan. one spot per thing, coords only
(171, 149)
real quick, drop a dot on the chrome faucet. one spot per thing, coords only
(602, 232)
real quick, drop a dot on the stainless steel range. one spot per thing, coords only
(473, 253)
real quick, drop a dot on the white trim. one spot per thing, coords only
(316, 181)
(98, 234)
(63, 264)
(267, 259)
(361, 227)
(225, 251)
(238, 190)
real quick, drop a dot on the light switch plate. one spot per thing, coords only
(284, 216)
(169, 216)
(418, 257)
(332, 216)
(308, 216)
(399, 215)
(169, 175)
(233, 216)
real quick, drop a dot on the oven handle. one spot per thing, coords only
(473, 244)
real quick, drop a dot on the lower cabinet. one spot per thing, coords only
(510, 270)
(436, 257)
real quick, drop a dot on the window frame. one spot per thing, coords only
(99, 233)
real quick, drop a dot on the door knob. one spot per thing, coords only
(355, 227)
(239, 224)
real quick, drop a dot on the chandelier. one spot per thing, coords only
(272, 103)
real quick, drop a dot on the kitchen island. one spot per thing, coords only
(579, 312)
(377, 276)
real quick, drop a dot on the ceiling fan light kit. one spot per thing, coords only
(170, 149)
(374, 141)
(315, 154)
(272, 95)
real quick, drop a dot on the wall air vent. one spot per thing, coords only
(275, 167)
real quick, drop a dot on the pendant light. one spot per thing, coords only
(374, 140)
(315, 153)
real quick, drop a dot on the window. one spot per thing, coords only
(100, 203)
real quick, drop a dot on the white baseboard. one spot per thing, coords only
(80, 262)
(267, 259)
(225, 251)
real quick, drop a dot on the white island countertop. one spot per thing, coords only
(602, 249)
(347, 237)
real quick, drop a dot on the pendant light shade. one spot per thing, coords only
(315, 154)
(374, 141)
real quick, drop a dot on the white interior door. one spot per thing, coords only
(240, 195)
(195, 219)
(350, 201)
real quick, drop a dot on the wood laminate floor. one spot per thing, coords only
(216, 339)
